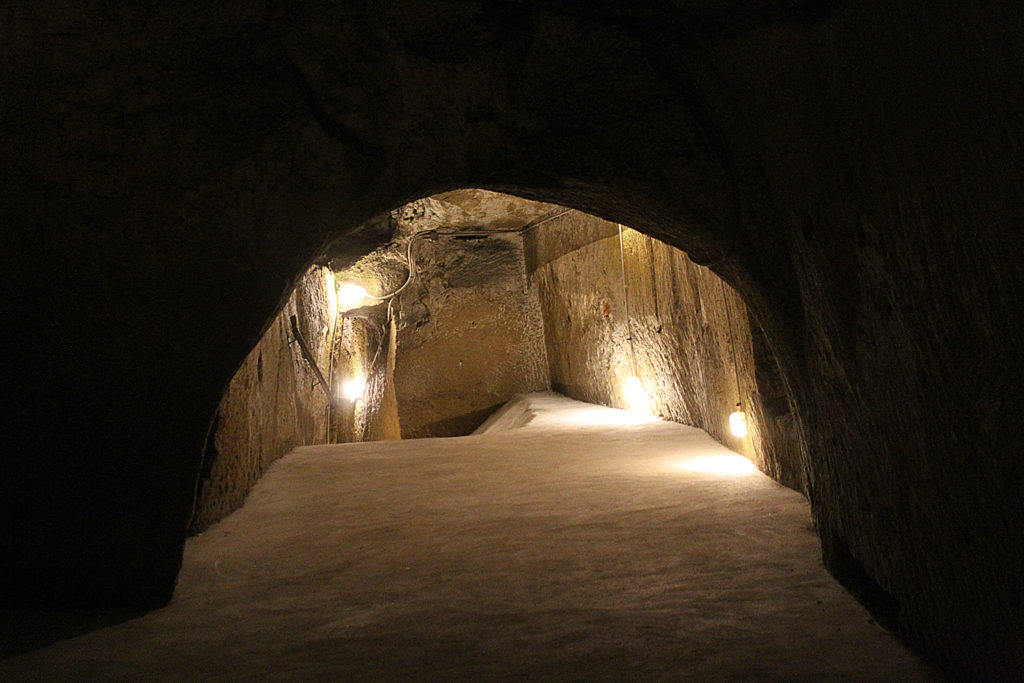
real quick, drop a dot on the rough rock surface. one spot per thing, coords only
(615, 307)
(273, 403)
(471, 337)
(468, 329)
(853, 171)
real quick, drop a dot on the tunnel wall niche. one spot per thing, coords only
(364, 349)
(466, 335)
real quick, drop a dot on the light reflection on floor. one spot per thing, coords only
(589, 417)
(719, 464)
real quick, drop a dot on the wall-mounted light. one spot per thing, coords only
(350, 294)
(633, 389)
(354, 388)
(737, 418)
(636, 397)
(738, 423)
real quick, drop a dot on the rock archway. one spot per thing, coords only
(850, 171)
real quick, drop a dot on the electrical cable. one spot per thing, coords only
(625, 300)
(330, 370)
(732, 342)
(410, 262)
(383, 334)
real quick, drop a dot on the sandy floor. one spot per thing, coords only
(589, 544)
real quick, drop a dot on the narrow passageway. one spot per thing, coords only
(568, 541)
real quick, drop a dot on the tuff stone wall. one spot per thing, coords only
(467, 330)
(892, 197)
(364, 348)
(382, 418)
(483, 320)
(273, 404)
(471, 336)
(467, 334)
(691, 345)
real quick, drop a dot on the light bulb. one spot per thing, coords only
(636, 397)
(349, 295)
(738, 424)
(353, 389)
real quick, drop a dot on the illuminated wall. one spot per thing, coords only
(466, 331)
(470, 336)
(691, 346)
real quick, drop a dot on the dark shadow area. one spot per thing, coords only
(460, 425)
(880, 604)
(849, 571)
(781, 438)
(22, 631)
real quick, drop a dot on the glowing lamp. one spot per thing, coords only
(738, 424)
(353, 389)
(349, 295)
(636, 397)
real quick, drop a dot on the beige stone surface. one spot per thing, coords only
(273, 404)
(471, 336)
(691, 345)
(468, 333)
(589, 544)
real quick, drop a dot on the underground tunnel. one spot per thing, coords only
(476, 298)
(178, 185)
